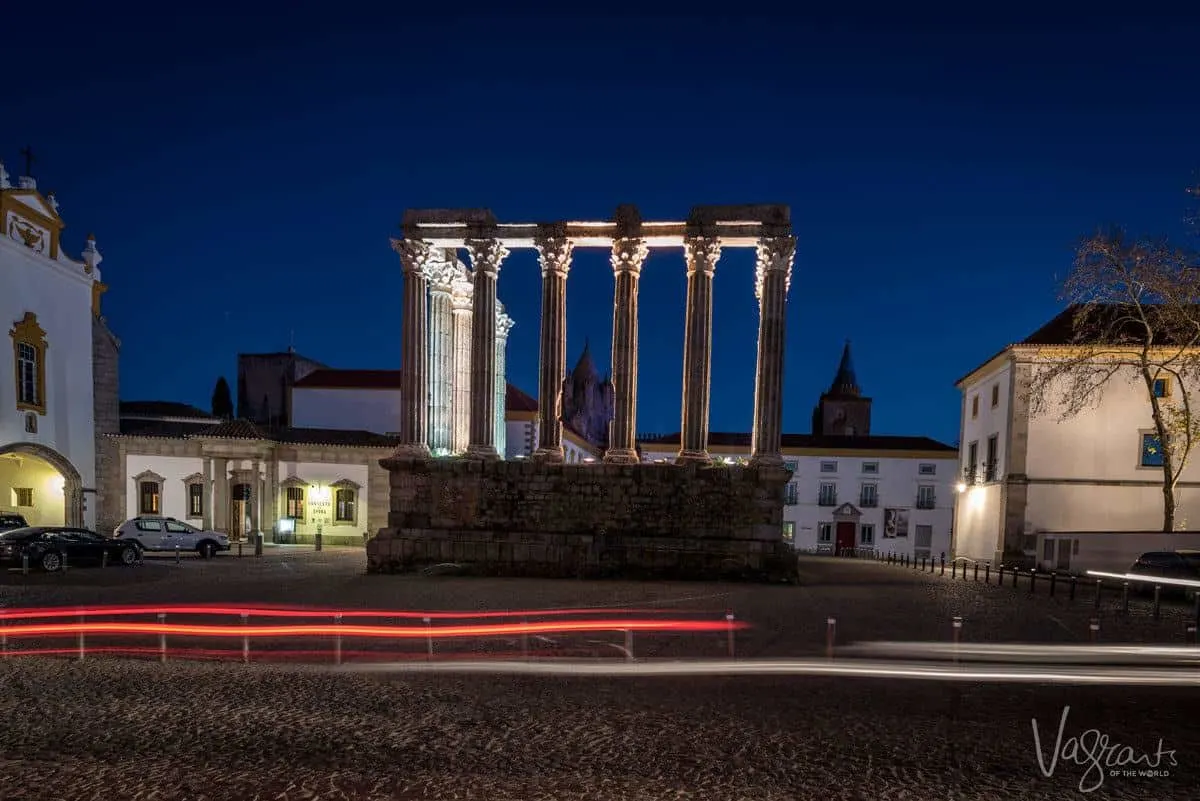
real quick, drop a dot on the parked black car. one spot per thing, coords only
(49, 547)
(9, 521)
(1170, 565)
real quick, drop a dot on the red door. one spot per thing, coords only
(845, 536)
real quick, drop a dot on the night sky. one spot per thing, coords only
(243, 175)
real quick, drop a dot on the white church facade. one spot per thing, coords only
(57, 364)
(1075, 493)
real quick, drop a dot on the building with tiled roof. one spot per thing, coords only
(850, 490)
(1074, 488)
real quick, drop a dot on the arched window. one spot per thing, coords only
(29, 359)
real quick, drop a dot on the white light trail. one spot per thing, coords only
(1145, 579)
(1063, 654)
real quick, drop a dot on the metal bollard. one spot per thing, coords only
(1099, 589)
(337, 641)
(258, 543)
(1125, 598)
(176, 554)
(729, 620)
(976, 572)
(239, 549)
(24, 564)
(82, 651)
(317, 539)
(1191, 634)
(1157, 601)
(104, 559)
(162, 638)
(830, 630)
(922, 564)
(1053, 579)
(1032, 580)
(1000, 576)
(943, 566)
(1015, 574)
(429, 637)
(64, 569)
(1094, 628)
(957, 634)
(954, 570)
(1071, 594)
(987, 573)
(245, 640)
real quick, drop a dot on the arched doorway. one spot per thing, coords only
(40, 484)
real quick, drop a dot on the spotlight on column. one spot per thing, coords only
(960, 487)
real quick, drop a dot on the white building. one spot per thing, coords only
(851, 490)
(1041, 489)
(50, 307)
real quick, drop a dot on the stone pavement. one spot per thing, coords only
(119, 729)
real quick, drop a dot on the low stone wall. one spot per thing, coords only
(529, 518)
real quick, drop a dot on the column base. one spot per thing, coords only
(621, 456)
(411, 450)
(486, 453)
(693, 457)
(767, 460)
(552, 455)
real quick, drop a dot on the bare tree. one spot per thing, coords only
(1136, 305)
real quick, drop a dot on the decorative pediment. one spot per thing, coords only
(194, 478)
(31, 220)
(29, 201)
(28, 330)
(148, 475)
(847, 510)
(293, 481)
(345, 483)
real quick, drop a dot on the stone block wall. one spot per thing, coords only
(531, 518)
(110, 474)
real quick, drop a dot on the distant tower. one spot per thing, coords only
(588, 400)
(843, 411)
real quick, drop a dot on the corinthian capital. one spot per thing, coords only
(486, 255)
(554, 253)
(461, 290)
(775, 254)
(702, 253)
(628, 253)
(504, 324)
(415, 254)
(441, 269)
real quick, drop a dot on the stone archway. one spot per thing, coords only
(72, 482)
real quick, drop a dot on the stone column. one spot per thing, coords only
(628, 253)
(460, 404)
(773, 278)
(486, 258)
(504, 324)
(256, 496)
(415, 257)
(554, 253)
(271, 493)
(702, 253)
(441, 273)
(207, 517)
(221, 495)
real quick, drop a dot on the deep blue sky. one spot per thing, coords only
(243, 175)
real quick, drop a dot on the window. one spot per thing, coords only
(23, 496)
(870, 468)
(792, 464)
(789, 532)
(828, 467)
(927, 469)
(1151, 451)
(179, 528)
(149, 525)
(827, 496)
(866, 533)
(972, 462)
(974, 406)
(825, 532)
(195, 500)
(29, 358)
(925, 497)
(149, 498)
(295, 504)
(1162, 387)
(995, 395)
(989, 464)
(344, 502)
(791, 495)
(869, 496)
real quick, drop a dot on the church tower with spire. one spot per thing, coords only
(587, 405)
(842, 410)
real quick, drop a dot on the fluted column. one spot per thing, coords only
(486, 258)
(702, 253)
(773, 278)
(415, 255)
(555, 255)
(628, 254)
(441, 273)
(460, 404)
(504, 324)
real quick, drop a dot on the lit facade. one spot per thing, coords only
(49, 307)
(1041, 489)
